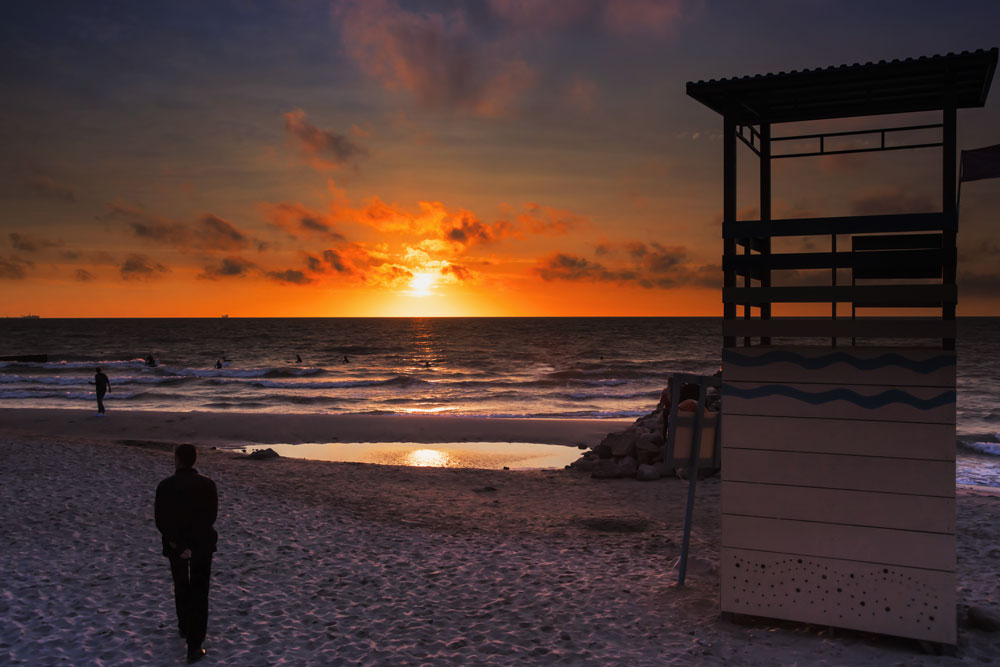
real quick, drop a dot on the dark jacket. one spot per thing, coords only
(102, 382)
(186, 507)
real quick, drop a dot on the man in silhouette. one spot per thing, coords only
(103, 387)
(186, 506)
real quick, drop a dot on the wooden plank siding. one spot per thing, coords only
(838, 465)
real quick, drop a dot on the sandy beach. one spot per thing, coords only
(340, 563)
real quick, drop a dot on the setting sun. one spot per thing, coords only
(422, 283)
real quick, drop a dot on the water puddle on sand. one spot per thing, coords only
(490, 455)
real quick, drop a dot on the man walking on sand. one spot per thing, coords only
(186, 507)
(103, 387)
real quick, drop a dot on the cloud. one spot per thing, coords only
(293, 276)
(301, 222)
(30, 243)
(209, 233)
(626, 18)
(540, 14)
(228, 267)
(649, 266)
(45, 187)
(321, 149)
(886, 200)
(83, 275)
(14, 268)
(460, 273)
(141, 267)
(435, 57)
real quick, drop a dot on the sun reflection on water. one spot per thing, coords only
(427, 458)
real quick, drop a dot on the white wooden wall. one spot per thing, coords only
(838, 487)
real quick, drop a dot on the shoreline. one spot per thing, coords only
(235, 428)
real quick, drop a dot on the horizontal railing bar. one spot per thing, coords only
(838, 260)
(857, 132)
(857, 150)
(861, 224)
(904, 295)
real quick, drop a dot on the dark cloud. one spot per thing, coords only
(460, 272)
(323, 149)
(29, 243)
(301, 222)
(228, 267)
(14, 268)
(209, 233)
(293, 276)
(141, 267)
(214, 233)
(649, 265)
(83, 275)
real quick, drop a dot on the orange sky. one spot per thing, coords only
(422, 159)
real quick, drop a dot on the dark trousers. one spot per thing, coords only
(191, 576)
(100, 402)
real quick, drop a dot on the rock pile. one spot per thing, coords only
(640, 450)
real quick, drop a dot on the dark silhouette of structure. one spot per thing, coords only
(103, 386)
(185, 510)
(838, 463)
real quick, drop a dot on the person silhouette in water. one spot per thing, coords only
(103, 386)
(298, 359)
(218, 363)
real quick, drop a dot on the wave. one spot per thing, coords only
(264, 372)
(71, 395)
(399, 380)
(83, 380)
(988, 448)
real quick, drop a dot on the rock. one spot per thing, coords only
(603, 450)
(978, 618)
(647, 443)
(605, 469)
(622, 444)
(584, 464)
(647, 473)
(262, 454)
(627, 467)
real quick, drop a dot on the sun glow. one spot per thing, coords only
(422, 283)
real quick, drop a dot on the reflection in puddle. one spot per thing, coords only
(427, 458)
(493, 455)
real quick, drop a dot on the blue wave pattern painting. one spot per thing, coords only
(923, 367)
(841, 394)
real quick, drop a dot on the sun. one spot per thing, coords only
(422, 283)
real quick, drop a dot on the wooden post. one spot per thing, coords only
(729, 213)
(949, 240)
(765, 217)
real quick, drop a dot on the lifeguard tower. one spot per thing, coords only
(838, 440)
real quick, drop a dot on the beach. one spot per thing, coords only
(345, 563)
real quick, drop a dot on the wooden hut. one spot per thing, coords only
(838, 457)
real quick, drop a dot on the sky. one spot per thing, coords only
(342, 158)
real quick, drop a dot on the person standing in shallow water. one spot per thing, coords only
(103, 385)
(186, 507)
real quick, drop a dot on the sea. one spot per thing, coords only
(582, 367)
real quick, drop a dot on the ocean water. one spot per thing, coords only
(524, 367)
(499, 367)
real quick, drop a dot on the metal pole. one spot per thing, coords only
(729, 213)
(692, 481)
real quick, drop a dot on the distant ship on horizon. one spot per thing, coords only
(30, 317)
(225, 317)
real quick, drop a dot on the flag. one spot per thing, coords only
(980, 163)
